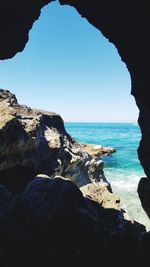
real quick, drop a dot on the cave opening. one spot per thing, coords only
(79, 88)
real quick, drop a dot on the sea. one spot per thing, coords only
(122, 168)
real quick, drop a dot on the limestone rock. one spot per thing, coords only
(100, 192)
(97, 150)
(35, 141)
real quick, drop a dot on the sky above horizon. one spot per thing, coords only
(70, 68)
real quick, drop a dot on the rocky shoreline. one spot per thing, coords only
(97, 150)
(55, 201)
(34, 141)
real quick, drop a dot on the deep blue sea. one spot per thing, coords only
(122, 169)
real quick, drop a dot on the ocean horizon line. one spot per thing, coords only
(135, 122)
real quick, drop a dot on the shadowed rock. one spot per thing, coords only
(52, 224)
(144, 194)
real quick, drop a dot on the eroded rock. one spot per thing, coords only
(35, 141)
(101, 193)
(97, 150)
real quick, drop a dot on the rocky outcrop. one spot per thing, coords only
(52, 224)
(34, 141)
(101, 193)
(49, 222)
(97, 150)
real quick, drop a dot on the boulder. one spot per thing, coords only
(101, 193)
(52, 224)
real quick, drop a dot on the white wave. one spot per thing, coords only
(120, 181)
(125, 186)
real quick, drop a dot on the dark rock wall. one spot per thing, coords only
(16, 19)
(125, 23)
(52, 224)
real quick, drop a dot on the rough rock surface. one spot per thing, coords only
(34, 141)
(101, 193)
(97, 150)
(52, 224)
(144, 194)
(125, 24)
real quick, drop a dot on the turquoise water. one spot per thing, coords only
(122, 169)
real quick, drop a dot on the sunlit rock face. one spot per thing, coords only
(35, 141)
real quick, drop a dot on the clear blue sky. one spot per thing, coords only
(69, 67)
